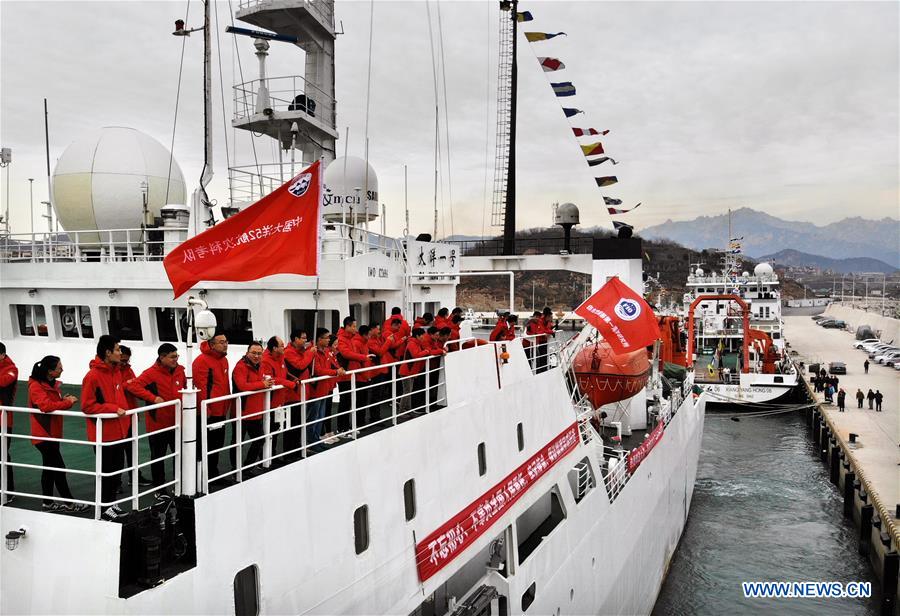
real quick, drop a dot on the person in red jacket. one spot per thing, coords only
(352, 355)
(442, 318)
(45, 395)
(415, 349)
(378, 346)
(274, 366)
(396, 314)
(210, 374)
(298, 357)
(102, 393)
(396, 339)
(128, 375)
(248, 376)
(324, 364)
(505, 329)
(425, 321)
(9, 380)
(161, 382)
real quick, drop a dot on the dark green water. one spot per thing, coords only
(763, 510)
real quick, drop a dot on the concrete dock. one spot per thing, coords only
(866, 471)
(878, 451)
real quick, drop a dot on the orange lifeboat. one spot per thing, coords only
(606, 377)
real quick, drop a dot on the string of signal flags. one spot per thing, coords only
(594, 154)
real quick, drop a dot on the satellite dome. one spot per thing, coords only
(763, 269)
(566, 214)
(97, 183)
(745, 274)
(699, 271)
(342, 200)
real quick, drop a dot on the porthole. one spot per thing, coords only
(361, 529)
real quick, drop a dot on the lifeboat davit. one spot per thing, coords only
(606, 377)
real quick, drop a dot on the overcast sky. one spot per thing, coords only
(786, 107)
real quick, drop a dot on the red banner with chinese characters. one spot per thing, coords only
(623, 317)
(279, 234)
(637, 455)
(447, 542)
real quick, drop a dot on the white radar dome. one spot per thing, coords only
(351, 191)
(566, 214)
(745, 274)
(763, 269)
(699, 271)
(99, 180)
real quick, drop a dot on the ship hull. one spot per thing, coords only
(296, 524)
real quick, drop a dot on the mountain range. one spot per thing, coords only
(795, 258)
(765, 234)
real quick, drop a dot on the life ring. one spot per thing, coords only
(68, 321)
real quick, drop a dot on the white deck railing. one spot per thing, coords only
(98, 504)
(340, 241)
(390, 398)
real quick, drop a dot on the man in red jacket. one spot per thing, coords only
(210, 370)
(161, 382)
(102, 393)
(298, 357)
(415, 349)
(353, 354)
(274, 366)
(396, 314)
(9, 379)
(248, 376)
(323, 365)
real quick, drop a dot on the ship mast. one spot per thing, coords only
(503, 210)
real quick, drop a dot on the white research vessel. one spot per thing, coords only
(736, 335)
(500, 497)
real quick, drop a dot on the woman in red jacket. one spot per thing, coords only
(45, 395)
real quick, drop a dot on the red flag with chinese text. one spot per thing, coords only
(623, 317)
(279, 234)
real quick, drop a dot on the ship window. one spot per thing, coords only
(376, 313)
(32, 319)
(482, 459)
(75, 321)
(123, 322)
(538, 522)
(171, 324)
(246, 592)
(361, 529)
(409, 499)
(581, 479)
(779, 379)
(528, 596)
(235, 324)
(520, 436)
(305, 321)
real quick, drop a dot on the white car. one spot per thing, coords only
(860, 343)
(886, 356)
(879, 349)
(873, 345)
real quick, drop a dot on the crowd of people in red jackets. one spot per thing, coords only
(307, 372)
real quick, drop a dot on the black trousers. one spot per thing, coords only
(344, 407)
(540, 361)
(293, 437)
(10, 480)
(215, 439)
(51, 456)
(161, 443)
(418, 394)
(253, 429)
(113, 461)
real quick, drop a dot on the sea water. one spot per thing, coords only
(763, 510)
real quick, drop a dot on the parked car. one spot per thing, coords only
(879, 349)
(886, 356)
(868, 348)
(834, 324)
(890, 363)
(824, 321)
(880, 352)
(860, 343)
(837, 367)
(818, 317)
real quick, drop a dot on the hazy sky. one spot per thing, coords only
(786, 107)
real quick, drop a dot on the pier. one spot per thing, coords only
(861, 447)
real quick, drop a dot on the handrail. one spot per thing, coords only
(136, 465)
